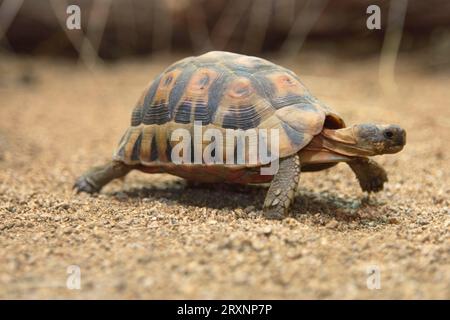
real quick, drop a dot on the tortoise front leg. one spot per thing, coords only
(371, 175)
(94, 179)
(282, 189)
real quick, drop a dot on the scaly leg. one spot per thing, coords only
(94, 179)
(371, 175)
(281, 192)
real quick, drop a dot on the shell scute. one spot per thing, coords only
(155, 108)
(240, 88)
(201, 80)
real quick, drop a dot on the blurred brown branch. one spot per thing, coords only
(8, 11)
(391, 44)
(303, 25)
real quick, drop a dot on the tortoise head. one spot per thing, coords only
(373, 139)
(365, 139)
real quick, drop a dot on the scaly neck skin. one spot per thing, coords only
(332, 146)
(343, 141)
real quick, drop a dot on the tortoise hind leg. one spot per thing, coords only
(93, 180)
(371, 175)
(282, 189)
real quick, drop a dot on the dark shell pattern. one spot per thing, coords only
(224, 91)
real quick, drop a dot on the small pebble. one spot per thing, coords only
(333, 224)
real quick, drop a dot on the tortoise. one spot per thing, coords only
(228, 91)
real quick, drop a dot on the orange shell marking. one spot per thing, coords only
(286, 84)
(201, 80)
(240, 88)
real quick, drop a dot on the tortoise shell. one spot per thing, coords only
(222, 90)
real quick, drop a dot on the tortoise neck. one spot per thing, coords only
(343, 141)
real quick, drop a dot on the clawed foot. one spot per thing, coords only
(371, 175)
(276, 204)
(373, 184)
(274, 213)
(94, 179)
(83, 185)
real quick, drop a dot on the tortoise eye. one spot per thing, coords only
(388, 134)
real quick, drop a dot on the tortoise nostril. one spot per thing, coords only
(388, 134)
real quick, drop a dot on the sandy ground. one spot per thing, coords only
(150, 236)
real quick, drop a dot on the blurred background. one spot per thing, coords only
(114, 29)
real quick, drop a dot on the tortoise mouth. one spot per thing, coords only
(394, 149)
